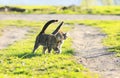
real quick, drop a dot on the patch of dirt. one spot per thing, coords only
(89, 51)
(11, 34)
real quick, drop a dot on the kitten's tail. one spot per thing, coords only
(46, 25)
(58, 28)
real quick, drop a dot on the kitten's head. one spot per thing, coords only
(61, 36)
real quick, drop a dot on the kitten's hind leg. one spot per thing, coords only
(35, 47)
(49, 49)
(44, 50)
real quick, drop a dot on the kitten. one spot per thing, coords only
(50, 41)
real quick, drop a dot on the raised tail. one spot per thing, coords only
(46, 25)
(57, 29)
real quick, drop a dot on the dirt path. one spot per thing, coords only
(11, 34)
(92, 54)
(38, 17)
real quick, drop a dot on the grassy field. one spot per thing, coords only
(16, 61)
(110, 28)
(106, 10)
(109, 10)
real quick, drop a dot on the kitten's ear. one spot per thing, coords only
(65, 35)
(58, 28)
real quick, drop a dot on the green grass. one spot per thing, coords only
(111, 28)
(17, 61)
(104, 10)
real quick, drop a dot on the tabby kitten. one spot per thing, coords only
(50, 41)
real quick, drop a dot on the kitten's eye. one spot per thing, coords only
(58, 41)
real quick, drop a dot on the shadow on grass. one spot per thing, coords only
(69, 52)
(27, 55)
(115, 49)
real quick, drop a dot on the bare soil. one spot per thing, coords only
(89, 51)
(37, 17)
(10, 34)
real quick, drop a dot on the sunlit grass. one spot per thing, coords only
(106, 10)
(17, 61)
